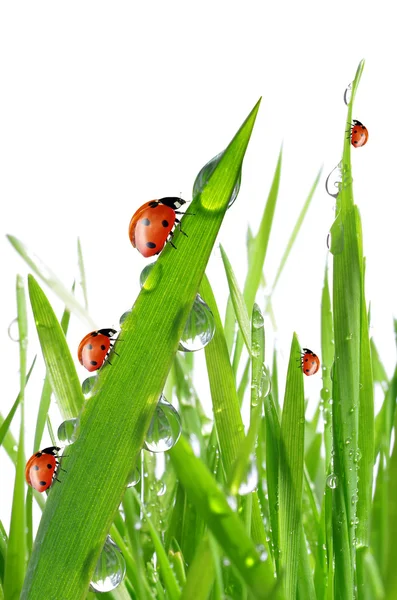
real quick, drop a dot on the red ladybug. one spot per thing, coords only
(358, 134)
(94, 348)
(151, 225)
(40, 468)
(310, 362)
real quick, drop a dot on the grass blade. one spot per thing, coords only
(114, 421)
(201, 574)
(291, 472)
(83, 281)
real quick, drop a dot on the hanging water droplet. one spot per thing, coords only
(260, 548)
(266, 382)
(349, 337)
(357, 456)
(88, 386)
(250, 482)
(124, 316)
(164, 429)
(68, 431)
(145, 274)
(110, 569)
(348, 94)
(334, 181)
(257, 317)
(332, 481)
(199, 329)
(206, 172)
(348, 441)
(336, 238)
(13, 331)
(161, 488)
(134, 477)
(255, 349)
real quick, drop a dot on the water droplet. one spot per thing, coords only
(164, 429)
(334, 181)
(255, 349)
(232, 502)
(110, 569)
(336, 237)
(348, 94)
(349, 337)
(124, 316)
(348, 441)
(250, 560)
(250, 482)
(199, 329)
(145, 273)
(68, 431)
(357, 456)
(266, 382)
(161, 488)
(206, 172)
(257, 317)
(12, 330)
(332, 481)
(262, 552)
(88, 386)
(134, 477)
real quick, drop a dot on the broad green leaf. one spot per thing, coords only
(114, 421)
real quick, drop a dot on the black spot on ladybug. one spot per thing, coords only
(306, 359)
(164, 223)
(43, 483)
(93, 362)
(307, 370)
(89, 346)
(145, 222)
(150, 245)
(354, 142)
(103, 347)
(49, 466)
(35, 468)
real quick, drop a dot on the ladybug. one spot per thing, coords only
(358, 134)
(151, 225)
(40, 468)
(310, 362)
(94, 348)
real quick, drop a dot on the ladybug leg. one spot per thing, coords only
(177, 221)
(178, 212)
(169, 238)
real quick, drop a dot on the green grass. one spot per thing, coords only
(279, 508)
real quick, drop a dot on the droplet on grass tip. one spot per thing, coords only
(348, 94)
(68, 431)
(134, 477)
(206, 172)
(13, 331)
(334, 181)
(332, 481)
(110, 569)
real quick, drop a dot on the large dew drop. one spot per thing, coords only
(88, 386)
(199, 329)
(110, 569)
(332, 481)
(206, 172)
(334, 181)
(68, 431)
(134, 477)
(348, 94)
(165, 428)
(13, 331)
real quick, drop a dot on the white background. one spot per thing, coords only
(104, 106)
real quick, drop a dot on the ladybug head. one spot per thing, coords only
(172, 202)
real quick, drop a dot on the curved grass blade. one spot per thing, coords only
(49, 277)
(59, 363)
(5, 424)
(114, 421)
(16, 548)
(292, 434)
(82, 281)
(226, 526)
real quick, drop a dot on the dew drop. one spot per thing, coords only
(206, 172)
(199, 329)
(348, 94)
(13, 331)
(161, 488)
(134, 477)
(68, 431)
(164, 429)
(255, 349)
(349, 337)
(110, 569)
(232, 502)
(332, 481)
(145, 274)
(334, 181)
(88, 386)
(124, 316)
(257, 317)
(348, 441)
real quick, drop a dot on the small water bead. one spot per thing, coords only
(165, 428)
(199, 329)
(348, 441)
(250, 482)
(348, 94)
(68, 431)
(88, 386)
(206, 172)
(334, 181)
(357, 456)
(257, 317)
(13, 331)
(124, 316)
(161, 488)
(332, 481)
(266, 382)
(145, 274)
(134, 477)
(262, 552)
(110, 569)
(255, 349)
